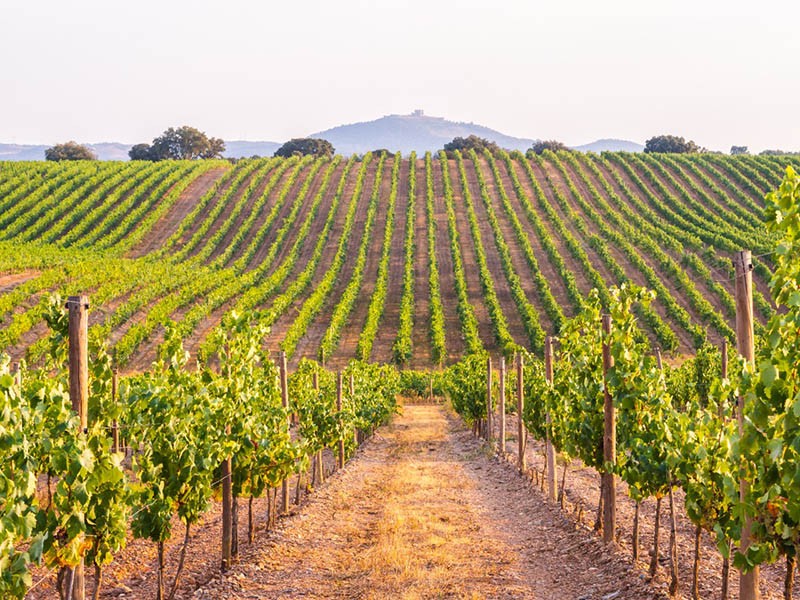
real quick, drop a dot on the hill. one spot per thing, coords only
(411, 132)
(246, 149)
(119, 151)
(610, 145)
(22, 152)
(394, 132)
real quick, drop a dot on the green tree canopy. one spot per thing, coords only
(542, 145)
(472, 142)
(183, 143)
(670, 143)
(739, 150)
(303, 146)
(140, 152)
(777, 153)
(69, 151)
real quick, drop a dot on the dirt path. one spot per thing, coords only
(422, 512)
(9, 281)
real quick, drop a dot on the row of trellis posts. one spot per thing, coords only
(748, 582)
(78, 307)
(78, 311)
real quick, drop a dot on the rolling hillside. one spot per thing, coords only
(421, 260)
(415, 132)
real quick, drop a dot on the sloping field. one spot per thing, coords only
(336, 260)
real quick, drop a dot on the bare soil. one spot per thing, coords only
(454, 340)
(170, 222)
(686, 343)
(9, 281)
(351, 332)
(425, 512)
(501, 286)
(557, 286)
(581, 497)
(308, 346)
(420, 335)
(283, 210)
(518, 259)
(262, 181)
(469, 261)
(556, 184)
(761, 285)
(290, 239)
(580, 277)
(390, 321)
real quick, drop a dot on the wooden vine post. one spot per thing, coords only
(609, 442)
(352, 397)
(502, 407)
(339, 408)
(489, 407)
(115, 447)
(227, 510)
(285, 403)
(673, 522)
(520, 422)
(726, 560)
(550, 450)
(319, 474)
(78, 308)
(743, 266)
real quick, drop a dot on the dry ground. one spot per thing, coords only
(424, 512)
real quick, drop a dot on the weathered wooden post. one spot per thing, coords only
(502, 406)
(339, 408)
(78, 309)
(285, 402)
(550, 451)
(520, 422)
(743, 267)
(673, 524)
(489, 407)
(227, 510)
(320, 472)
(356, 436)
(726, 561)
(609, 442)
(114, 424)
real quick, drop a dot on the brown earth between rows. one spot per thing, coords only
(424, 512)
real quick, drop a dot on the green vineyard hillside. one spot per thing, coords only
(415, 260)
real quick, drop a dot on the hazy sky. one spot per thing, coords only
(718, 72)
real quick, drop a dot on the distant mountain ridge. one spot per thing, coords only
(610, 145)
(405, 133)
(411, 132)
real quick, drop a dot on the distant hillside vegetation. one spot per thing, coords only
(104, 151)
(394, 132)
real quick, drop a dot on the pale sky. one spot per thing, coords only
(717, 72)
